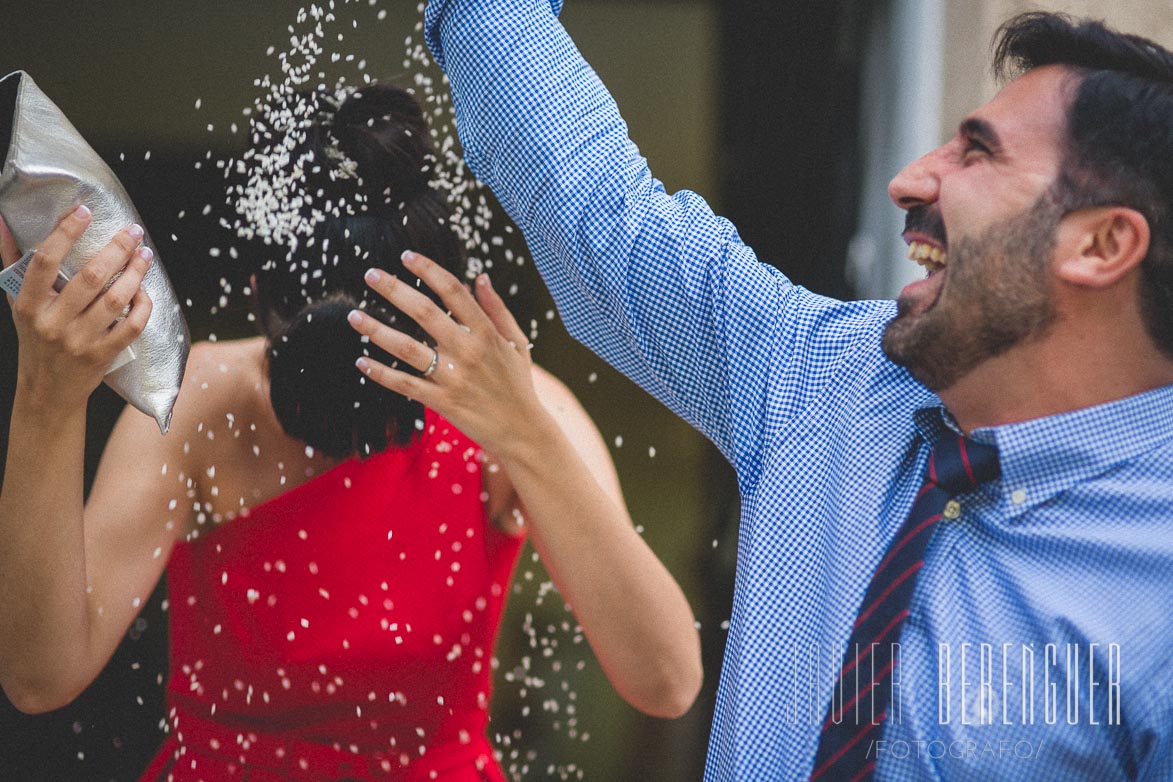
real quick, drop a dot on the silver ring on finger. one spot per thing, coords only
(435, 362)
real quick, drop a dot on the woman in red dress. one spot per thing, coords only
(337, 554)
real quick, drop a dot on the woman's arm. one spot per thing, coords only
(631, 609)
(73, 578)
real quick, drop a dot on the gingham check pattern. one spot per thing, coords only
(1073, 545)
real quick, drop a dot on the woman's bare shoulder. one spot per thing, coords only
(232, 359)
(221, 377)
(223, 387)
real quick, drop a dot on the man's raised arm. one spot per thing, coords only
(657, 284)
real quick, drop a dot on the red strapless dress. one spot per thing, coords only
(343, 630)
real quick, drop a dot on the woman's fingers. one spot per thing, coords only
(499, 314)
(415, 305)
(395, 342)
(111, 303)
(131, 327)
(450, 290)
(484, 384)
(92, 279)
(41, 274)
(410, 386)
(9, 252)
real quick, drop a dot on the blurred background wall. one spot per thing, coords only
(790, 116)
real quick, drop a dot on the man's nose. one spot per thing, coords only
(919, 182)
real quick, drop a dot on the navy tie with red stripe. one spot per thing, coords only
(863, 689)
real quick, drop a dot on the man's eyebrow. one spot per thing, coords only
(981, 131)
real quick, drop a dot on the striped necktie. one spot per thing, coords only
(860, 701)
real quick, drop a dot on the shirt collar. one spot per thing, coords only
(1043, 457)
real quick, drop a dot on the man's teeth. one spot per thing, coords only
(931, 257)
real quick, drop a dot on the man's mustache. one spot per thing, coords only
(926, 220)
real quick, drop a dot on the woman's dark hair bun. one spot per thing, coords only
(320, 397)
(382, 129)
(369, 182)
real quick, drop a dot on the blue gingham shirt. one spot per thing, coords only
(1070, 552)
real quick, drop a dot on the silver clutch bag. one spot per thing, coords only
(48, 169)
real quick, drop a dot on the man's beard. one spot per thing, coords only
(996, 296)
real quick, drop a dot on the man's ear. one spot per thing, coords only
(1099, 246)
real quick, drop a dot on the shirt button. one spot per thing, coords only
(1018, 497)
(952, 509)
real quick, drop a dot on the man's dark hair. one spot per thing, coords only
(1119, 145)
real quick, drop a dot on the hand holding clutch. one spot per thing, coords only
(48, 171)
(69, 335)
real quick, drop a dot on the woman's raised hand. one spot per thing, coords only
(68, 339)
(477, 375)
